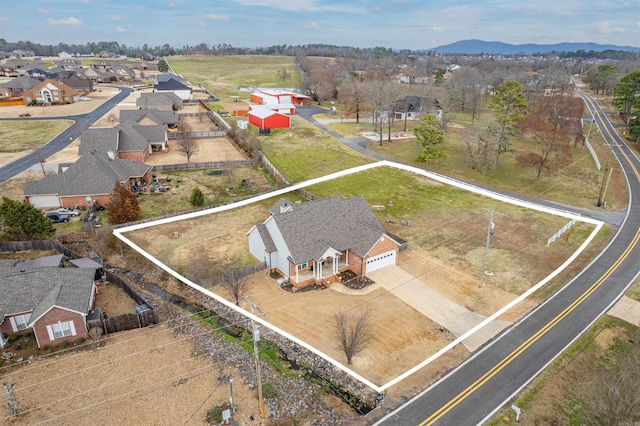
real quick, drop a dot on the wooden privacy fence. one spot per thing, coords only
(213, 134)
(129, 321)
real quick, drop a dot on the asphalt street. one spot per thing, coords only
(494, 375)
(81, 123)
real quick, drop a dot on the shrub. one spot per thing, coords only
(197, 197)
(268, 390)
(12, 338)
(63, 345)
(79, 341)
(214, 415)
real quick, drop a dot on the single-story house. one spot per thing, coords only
(128, 140)
(312, 242)
(88, 180)
(164, 101)
(174, 86)
(51, 302)
(415, 107)
(69, 63)
(150, 117)
(266, 119)
(51, 92)
(78, 82)
(18, 86)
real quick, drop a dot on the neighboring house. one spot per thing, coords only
(94, 74)
(51, 92)
(90, 179)
(127, 141)
(18, 86)
(51, 302)
(69, 64)
(311, 242)
(150, 117)
(19, 53)
(415, 107)
(160, 101)
(40, 73)
(166, 76)
(146, 66)
(266, 119)
(79, 83)
(174, 86)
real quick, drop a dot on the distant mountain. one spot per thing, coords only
(495, 47)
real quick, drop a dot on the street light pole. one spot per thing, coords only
(256, 338)
(233, 405)
(486, 247)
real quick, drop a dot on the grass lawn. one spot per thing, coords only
(18, 135)
(304, 152)
(224, 75)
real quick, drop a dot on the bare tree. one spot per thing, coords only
(354, 332)
(233, 280)
(283, 75)
(187, 144)
(481, 147)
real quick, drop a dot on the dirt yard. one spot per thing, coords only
(146, 376)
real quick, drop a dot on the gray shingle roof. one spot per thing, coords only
(94, 173)
(157, 116)
(269, 245)
(103, 140)
(157, 100)
(171, 84)
(127, 136)
(311, 228)
(37, 289)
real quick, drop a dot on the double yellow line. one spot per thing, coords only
(531, 340)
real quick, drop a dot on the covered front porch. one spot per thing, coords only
(318, 271)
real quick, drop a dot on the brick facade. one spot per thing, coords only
(140, 156)
(54, 316)
(6, 329)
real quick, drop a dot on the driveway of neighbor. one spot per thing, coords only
(437, 307)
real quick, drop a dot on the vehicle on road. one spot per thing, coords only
(69, 212)
(57, 218)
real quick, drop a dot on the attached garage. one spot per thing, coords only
(44, 201)
(380, 261)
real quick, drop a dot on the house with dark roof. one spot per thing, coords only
(51, 302)
(150, 117)
(415, 107)
(312, 242)
(174, 86)
(128, 140)
(88, 180)
(78, 82)
(18, 86)
(164, 101)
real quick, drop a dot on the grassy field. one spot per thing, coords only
(18, 135)
(225, 75)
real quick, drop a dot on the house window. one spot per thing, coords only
(61, 329)
(38, 93)
(21, 321)
(302, 266)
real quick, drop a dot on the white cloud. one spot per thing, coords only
(217, 17)
(3, 18)
(113, 17)
(638, 24)
(310, 26)
(121, 30)
(304, 6)
(437, 29)
(605, 28)
(65, 21)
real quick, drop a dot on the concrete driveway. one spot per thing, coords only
(437, 307)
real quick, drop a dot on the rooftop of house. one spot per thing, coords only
(310, 228)
(38, 289)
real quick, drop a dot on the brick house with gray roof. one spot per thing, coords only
(312, 242)
(128, 140)
(88, 180)
(51, 302)
(165, 101)
(150, 117)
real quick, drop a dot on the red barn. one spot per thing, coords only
(264, 118)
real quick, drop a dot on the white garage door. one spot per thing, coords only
(380, 261)
(45, 201)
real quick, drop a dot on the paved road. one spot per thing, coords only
(489, 380)
(81, 123)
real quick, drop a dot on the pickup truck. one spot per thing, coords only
(57, 217)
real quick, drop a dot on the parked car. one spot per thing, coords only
(84, 98)
(69, 212)
(57, 218)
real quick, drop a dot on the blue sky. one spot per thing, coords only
(410, 24)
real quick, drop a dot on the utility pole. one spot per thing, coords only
(486, 247)
(233, 405)
(256, 338)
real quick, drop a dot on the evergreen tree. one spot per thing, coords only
(22, 221)
(197, 197)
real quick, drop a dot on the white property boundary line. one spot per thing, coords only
(443, 179)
